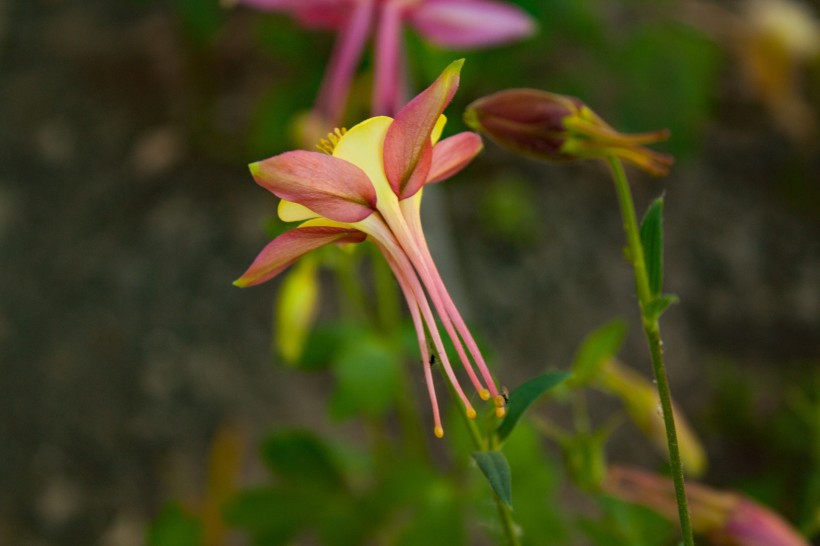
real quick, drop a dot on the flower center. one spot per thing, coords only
(326, 145)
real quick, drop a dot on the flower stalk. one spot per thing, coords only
(482, 443)
(651, 330)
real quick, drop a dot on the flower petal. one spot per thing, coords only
(466, 24)
(387, 80)
(294, 212)
(328, 14)
(453, 154)
(329, 186)
(407, 148)
(289, 247)
(362, 146)
(342, 66)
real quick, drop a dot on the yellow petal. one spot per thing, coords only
(438, 128)
(294, 212)
(321, 221)
(363, 145)
(296, 309)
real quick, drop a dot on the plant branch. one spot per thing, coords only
(653, 337)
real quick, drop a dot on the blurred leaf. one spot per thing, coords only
(667, 73)
(367, 378)
(296, 309)
(174, 527)
(640, 398)
(301, 459)
(291, 44)
(497, 471)
(437, 514)
(579, 19)
(597, 348)
(271, 515)
(523, 397)
(652, 242)
(507, 212)
(585, 458)
(200, 18)
(344, 523)
(326, 340)
(624, 523)
(536, 478)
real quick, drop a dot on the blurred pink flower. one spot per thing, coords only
(726, 518)
(450, 24)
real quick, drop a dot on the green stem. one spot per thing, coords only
(507, 522)
(653, 338)
(387, 297)
(346, 271)
(482, 444)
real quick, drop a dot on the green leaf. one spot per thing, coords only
(537, 481)
(368, 378)
(494, 466)
(200, 19)
(597, 348)
(682, 99)
(325, 341)
(272, 515)
(652, 242)
(624, 523)
(523, 397)
(436, 514)
(299, 458)
(659, 304)
(585, 458)
(174, 527)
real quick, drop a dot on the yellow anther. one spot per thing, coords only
(499, 401)
(500, 412)
(484, 394)
(439, 432)
(327, 145)
(471, 413)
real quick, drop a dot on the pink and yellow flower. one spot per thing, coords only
(451, 24)
(368, 186)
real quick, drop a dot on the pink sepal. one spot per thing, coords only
(453, 154)
(283, 251)
(328, 14)
(467, 24)
(329, 186)
(407, 148)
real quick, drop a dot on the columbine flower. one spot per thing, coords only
(452, 24)
(728, 519)
(369, 187)
(560, 128)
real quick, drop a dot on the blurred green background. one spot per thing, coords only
(137, 384)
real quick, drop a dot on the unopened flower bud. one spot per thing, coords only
(555, 127)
